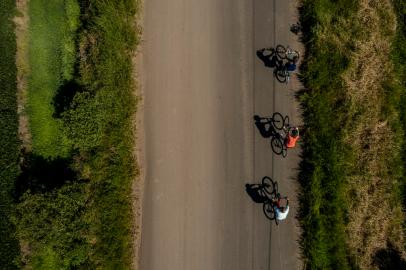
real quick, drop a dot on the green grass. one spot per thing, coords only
(397, 88)
(399, 58)
(51, 59)
(84, 221)
(323, 207)
(9, 143)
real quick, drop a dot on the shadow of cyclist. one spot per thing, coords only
(269, 57)
(256, 192)
(264, 125)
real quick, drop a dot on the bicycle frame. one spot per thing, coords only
(271, 194)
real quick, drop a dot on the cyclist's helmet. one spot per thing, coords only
(294, 132)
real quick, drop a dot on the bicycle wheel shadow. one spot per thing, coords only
(268, 129)
(269, 57)
(264, 126)
(256, 192)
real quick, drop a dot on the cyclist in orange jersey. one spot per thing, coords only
(292, 137)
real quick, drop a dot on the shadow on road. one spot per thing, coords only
(256, 192)
(264, 126)
(269, 57)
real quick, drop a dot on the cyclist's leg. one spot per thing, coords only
(286, 140)
(276, 211)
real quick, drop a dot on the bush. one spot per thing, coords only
(54, 224)
(106, 45)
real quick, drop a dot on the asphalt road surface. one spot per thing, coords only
(202, 85)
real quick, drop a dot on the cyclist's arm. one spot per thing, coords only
(287, 200)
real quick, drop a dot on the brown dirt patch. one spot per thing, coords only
(21, 21)
(138, 127)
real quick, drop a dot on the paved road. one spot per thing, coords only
(202, 84)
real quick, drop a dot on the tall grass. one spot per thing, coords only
(9, 143)
(323, 213)
(398, 86)
(51, 59)
(350, 170)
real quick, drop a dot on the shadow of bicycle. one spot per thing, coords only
(269, 57)
(273, 128)
(264, 193)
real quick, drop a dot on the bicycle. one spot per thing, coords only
(278, 139)
(287, 53)
(277, 121)
(278, 131)
(282, 74)
(272, 194)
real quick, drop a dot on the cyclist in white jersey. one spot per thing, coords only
(281, 212)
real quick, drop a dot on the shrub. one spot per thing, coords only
(54, 225)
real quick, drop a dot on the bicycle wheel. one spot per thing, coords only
(268, 210)
(280, 51)
(269, 185)
(286, 121)
(278, 121)
(277, 145)
(280, 75)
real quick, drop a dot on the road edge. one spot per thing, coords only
(139, 139)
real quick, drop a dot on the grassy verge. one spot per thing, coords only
(399, 79)
(9, 143)
(323, 206)
(107, 106)
(51, 59)
(74, 209)
(351, 170)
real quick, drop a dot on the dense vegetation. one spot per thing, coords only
(74, 190)
(323, 211)
(352, 167)
(105, 143)
(9, 143)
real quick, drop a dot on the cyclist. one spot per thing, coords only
(292, 137)
(281, 212)
(291, 64)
